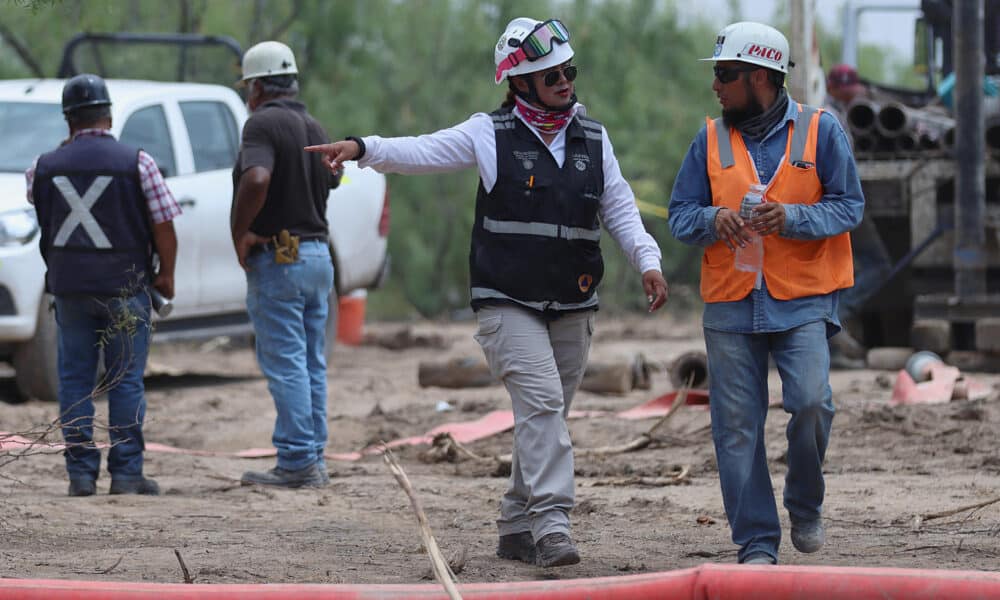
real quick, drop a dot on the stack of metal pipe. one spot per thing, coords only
(892, 127)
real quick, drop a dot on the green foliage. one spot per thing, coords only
(395, 68)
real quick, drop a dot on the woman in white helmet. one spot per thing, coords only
(548, 180)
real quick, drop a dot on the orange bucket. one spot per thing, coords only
(351, 318)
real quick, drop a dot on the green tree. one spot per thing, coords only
(392, 68)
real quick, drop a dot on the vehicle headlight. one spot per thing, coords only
(18, 227)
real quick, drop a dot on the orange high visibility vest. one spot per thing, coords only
(792, 268)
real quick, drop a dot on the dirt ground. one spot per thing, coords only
(886, 467)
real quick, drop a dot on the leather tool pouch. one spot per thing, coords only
(286, 248)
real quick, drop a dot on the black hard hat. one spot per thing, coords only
(84, 90)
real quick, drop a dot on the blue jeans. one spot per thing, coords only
(738, 364)
(121, 326)
(288, 306)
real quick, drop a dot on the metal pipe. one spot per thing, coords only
(906, 141)
(892, 120)
(861, 116)
(864, 142)
(970, 184)
(690, 368)
(928, 142)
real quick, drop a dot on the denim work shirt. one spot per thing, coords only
(692, 221)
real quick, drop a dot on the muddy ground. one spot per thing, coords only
(886, 467)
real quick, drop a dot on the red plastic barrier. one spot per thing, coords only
(707, 582)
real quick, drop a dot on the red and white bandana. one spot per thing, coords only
(544, 120)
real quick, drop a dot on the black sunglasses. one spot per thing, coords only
(731, 74)
(552, 77)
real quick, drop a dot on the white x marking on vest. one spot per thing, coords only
(80, 210)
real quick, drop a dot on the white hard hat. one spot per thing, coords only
(267, 59)
(510, 48)
(753, 43)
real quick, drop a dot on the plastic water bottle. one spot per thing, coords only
(751, 256)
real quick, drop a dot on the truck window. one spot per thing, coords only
(147, 129)
(212, 130)
(28, 129)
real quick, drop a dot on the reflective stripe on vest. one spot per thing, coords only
(503, 121)
(543, 229)
(792, 268)
(80, 211)
(592, 129)
(795, 153)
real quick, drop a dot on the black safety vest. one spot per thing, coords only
(536, 239)
(96, 233)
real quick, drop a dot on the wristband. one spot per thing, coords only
(361, 146)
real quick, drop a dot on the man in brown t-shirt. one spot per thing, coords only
(279, 231)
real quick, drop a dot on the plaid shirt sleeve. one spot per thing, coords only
(162, 206)
(29, 178)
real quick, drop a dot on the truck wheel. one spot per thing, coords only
(331, 327)
(36, 360)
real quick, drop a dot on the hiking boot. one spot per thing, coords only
(556, 550)
(517, 546)
(144, 486)
(759, 558)
(308, 477)
(82, 487)
(808, 536)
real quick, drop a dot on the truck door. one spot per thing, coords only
(147, 128)
(213, 131)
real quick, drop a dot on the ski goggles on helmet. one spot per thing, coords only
(535, 45)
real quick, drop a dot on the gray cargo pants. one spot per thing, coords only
(541, 362)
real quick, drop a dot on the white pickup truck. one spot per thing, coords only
(193, 132)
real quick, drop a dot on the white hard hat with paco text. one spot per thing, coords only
(512, 39)
(267, 59)
(753, 43)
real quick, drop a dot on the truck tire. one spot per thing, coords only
(35, 361)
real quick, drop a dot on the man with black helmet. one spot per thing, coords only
(106, 216)
(279, 230)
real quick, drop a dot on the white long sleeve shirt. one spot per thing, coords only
(472, 144)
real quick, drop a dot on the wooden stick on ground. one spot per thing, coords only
(438, 563)
(955, 511)
(446, 448)
(184, 567)
(679, 477)
(646, 438)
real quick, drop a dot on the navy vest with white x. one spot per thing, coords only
(96, 235)
(536, 239)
